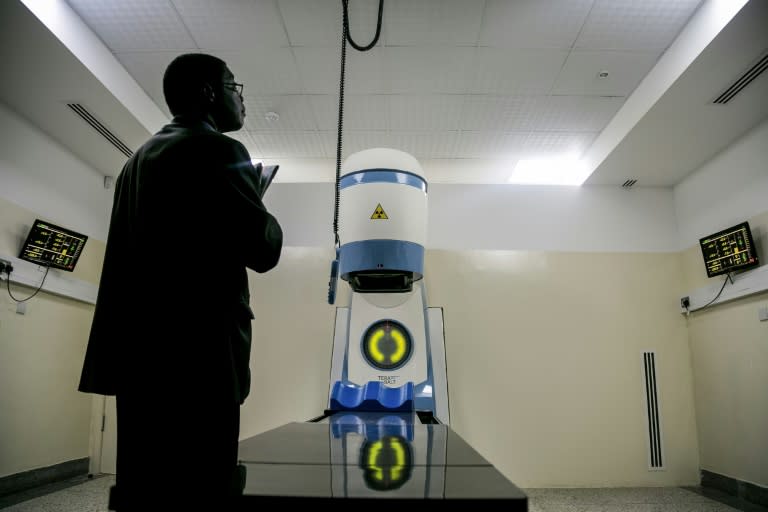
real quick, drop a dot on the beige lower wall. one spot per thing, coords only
(292, 339)
(544, 363)
(729, 352)
(730, 358)
(44, 420)
(543, 356)
(544, 359)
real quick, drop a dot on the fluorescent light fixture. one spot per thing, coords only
(559, 171)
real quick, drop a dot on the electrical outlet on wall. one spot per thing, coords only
(762, 313)
(5, 265)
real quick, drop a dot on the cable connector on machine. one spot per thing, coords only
(334, 279)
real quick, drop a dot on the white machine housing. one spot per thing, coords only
(405, 206)
(382, 220)
(383, 232)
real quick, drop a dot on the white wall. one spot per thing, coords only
(42, 176)
(590, 219)
(43, 419)
(729, 345)
(731, 187)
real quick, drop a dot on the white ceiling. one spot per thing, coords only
(468, 87)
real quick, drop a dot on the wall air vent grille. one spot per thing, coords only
(743, 81)
(629, 183)
(100, 128)
(655, 446)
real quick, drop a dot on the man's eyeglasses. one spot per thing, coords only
(234, 86)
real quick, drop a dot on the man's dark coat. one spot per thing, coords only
(172, 314)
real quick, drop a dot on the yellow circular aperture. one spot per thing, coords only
(387, 345)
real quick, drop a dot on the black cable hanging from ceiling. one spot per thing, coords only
(346, 36)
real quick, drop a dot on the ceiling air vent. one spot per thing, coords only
(743, 81)
(103, 130)
(629, 183)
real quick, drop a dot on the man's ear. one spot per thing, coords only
(208, 93)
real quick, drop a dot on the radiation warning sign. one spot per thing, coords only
(379, 213)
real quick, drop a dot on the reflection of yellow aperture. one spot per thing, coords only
(399, 450)
(386, 344)
(373, 454)
(387, 463)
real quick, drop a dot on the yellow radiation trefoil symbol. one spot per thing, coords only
(379, 213)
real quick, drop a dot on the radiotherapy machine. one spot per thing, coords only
(385, 430)
(388, 347)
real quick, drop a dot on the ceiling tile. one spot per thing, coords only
(490, 80)
(625, 70)
(425, 70)
(314, 22)
(355, 141)
(533, 23)
(291, 144)
(425, 112)
(576, 113)
(543, 144)
(425, 144)
(294, 110)
(275, 73)
(364, 72)
(635, 25)
(264, 71)
(147, 68)
(431, 22)
(508, 71)
(135, 24)
(366, 112)
(232, 25)
(489, 144)
(325, 108)
(498, 113)
(319, 71)
(361, 112)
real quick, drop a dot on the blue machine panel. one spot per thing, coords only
(372, 396)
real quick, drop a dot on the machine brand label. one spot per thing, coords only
(388, 379)
(379, 213)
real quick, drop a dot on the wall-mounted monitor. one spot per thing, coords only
(53, 246)
(729, 250)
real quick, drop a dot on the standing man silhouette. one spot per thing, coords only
(171, 332)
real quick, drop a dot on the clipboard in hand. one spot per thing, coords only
(266, 175)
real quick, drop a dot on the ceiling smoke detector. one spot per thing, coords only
(272, 116)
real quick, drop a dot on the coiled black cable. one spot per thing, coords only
(349, 36)
(8, 285)
(345, 36)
